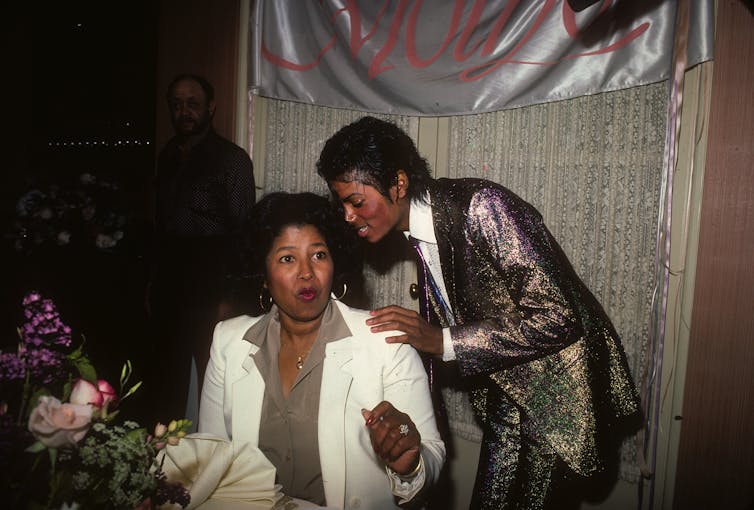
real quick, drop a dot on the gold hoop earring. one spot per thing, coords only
(342, 294)
(261, 301)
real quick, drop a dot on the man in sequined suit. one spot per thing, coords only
(501, 308)
(204, 190)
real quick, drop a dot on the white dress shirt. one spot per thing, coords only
(421, 228)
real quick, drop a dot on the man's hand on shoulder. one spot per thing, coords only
(416, 331)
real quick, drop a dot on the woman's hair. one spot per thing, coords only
(371, 151)
(276, 211)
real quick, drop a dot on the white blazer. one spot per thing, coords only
(358, 372)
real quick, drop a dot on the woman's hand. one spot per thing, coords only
(416, 331)
(394, 437)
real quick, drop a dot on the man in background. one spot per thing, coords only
(204, 190)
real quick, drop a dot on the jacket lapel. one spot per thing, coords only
(247, 389)
(336, 383)
(441, 222)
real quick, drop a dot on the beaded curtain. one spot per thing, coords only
(591, 165)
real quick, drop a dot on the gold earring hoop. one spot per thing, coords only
(342, 294)
(261, 301)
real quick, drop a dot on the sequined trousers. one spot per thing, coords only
(523, 472)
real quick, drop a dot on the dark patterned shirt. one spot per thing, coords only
(207, 192)
(203, 200)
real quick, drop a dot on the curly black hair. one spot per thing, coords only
(276, 211)
(371, 151)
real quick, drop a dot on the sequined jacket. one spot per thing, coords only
(527, 328)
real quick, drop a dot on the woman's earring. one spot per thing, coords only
(261, 301)
(342, 294)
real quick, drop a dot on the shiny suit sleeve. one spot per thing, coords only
(515, 303)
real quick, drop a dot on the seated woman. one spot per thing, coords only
(345, 418)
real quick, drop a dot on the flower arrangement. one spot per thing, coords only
(82, 213)
(62, 443)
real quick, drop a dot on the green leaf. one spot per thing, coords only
(67, 387)
(37, 447)
(53, 457)
(137, 434)
(78, 352)
(82, 364)
(86, 369)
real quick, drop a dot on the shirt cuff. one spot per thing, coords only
(448, 353)
(406, 488)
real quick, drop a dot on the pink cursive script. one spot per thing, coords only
(404, 22)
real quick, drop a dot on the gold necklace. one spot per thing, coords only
(301, 357)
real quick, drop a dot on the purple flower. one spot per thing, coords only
(168, 492)
(44, 364)
(12, 367)
(43, 326)
(31, 297)
(40, 354)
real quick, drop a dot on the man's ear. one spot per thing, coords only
(401, 183)
(211, 107)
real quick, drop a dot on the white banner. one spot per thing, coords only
(449, 57)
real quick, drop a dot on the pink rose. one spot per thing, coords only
(84, 392)
(109, 397)
(101, 395)
(56, 424)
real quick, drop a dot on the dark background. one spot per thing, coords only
(79, 94)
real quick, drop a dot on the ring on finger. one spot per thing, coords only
(403, 429)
